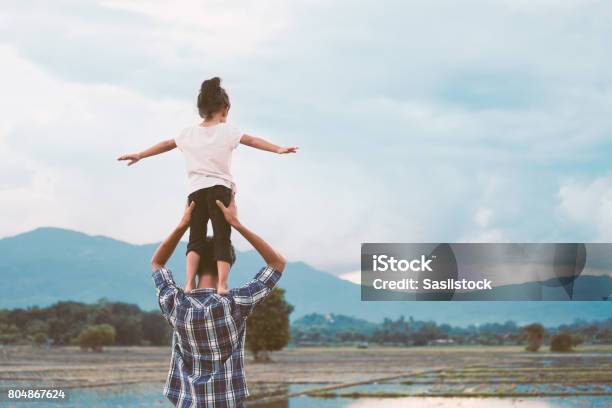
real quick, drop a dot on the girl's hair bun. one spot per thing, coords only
(211, 85)
(212, 97)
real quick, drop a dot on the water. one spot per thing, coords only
(150, 395)
(475, 387)
(431, 402)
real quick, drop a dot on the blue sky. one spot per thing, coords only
(417, 120)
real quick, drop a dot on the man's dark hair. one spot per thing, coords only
(208, 264)
(212, 98)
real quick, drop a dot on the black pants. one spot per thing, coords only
(205, 209)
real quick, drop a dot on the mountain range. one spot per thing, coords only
(46, 265)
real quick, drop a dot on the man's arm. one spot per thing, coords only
(262, 144)
(167, 247)
(167, 291)
(257, 289)
(159, 148)
(272, 257)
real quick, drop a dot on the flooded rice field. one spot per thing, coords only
(331, 377)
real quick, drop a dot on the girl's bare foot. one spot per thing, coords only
(189, 286)
(223, 269)
(193, 260)
(222, 289)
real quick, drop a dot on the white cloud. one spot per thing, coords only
(354, 277)
(588, 204)
(59, 143)
(213, 27)
(483, 217)
(417, 122)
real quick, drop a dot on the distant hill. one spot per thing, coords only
(330, 324)
(43, 266)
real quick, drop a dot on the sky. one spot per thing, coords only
(417, 121)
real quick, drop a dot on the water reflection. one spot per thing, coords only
(432, 402)
(150, 395)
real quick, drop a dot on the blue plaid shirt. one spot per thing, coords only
(207, 368)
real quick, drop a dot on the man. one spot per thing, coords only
(207, 368)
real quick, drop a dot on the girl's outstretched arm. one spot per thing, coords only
(262, 144)
(159, 148)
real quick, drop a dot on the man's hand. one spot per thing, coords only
(272, 258)
(132, 157)
(230, 213)
(167, 247)
(187, 215)
(286, 150)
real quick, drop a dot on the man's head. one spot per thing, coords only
(208, 264)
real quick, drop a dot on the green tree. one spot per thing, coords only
(40, 339)
(155, 329)
(268, 325)
(577, 340)
(535, 335)
(36, 326)
(97, 336)
(9, 333)
(67, 319)
(562, 342)
(125, 318)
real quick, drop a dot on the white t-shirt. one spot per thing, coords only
(208, 154)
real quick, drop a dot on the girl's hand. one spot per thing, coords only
(286, 150)
(132, 157)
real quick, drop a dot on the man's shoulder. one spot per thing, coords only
(207, 300)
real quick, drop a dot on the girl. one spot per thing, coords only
(208, 148)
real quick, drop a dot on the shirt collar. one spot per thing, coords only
(203, 290)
